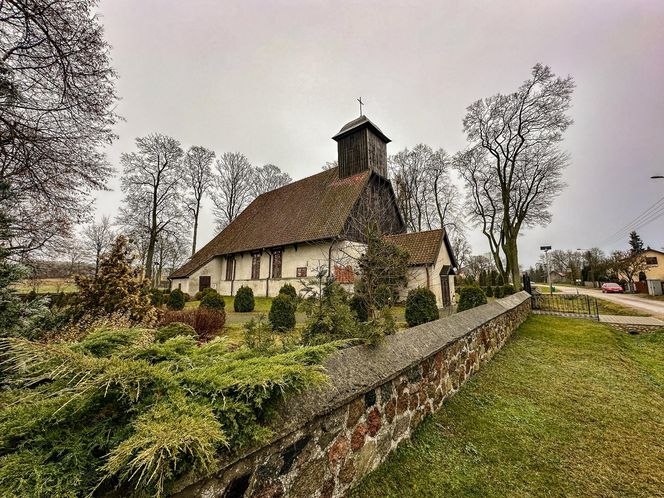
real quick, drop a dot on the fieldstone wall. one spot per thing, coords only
(327, 439)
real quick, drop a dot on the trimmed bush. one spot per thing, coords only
(213, 301)
(358, 306)
(156, 297)
(244, 300)
(489, 291)
(282, 313)
(288, 290)
(421, 307)
(200, 294)
(206, 322)
(499, 291)
(470, 297)
(508, 290)
(174, 329)
(176, 300)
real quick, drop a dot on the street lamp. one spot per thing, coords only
(546, 250)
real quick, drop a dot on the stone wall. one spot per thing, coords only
(327, 439)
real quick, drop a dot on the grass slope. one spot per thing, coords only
(567, 408)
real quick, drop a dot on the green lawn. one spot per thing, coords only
(610, 308)
(567, 408)
(236, 321)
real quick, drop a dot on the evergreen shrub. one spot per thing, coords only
(176, 300)
(174, 329)
(213, 300)
(359, 307)
(288, 290)
(244, 300)
(421, 307)
(282, 313)
(470, 297)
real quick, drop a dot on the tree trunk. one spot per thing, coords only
(512, 256)
(193, 245)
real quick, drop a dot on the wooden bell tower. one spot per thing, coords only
(361, 146)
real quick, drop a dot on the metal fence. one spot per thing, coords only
(569, 304)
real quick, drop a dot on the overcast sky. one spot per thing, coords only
(276, 79)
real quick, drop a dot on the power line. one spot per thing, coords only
(654, 209)
(642, 222)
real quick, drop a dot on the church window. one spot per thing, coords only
(256, 266)
(230, 268)
(301, 272)
(276, 263)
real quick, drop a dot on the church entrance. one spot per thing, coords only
(203, 282)
(445, 273)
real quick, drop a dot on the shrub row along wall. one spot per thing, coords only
(329, 438)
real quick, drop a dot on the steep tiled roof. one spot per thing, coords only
(422, 247)
(313, 208)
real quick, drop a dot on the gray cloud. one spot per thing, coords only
(277, 79)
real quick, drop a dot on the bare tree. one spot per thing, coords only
(232, 191)
(98, 236)
(567, 262)
(171, 251)
(628, 264)
(57, 100)
(483, 202)
(198, 174)
(268, 177)
(426, 194)
(519, 134)
(152, 182)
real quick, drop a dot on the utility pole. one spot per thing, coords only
(546, 250)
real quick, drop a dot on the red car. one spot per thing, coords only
(611, 288)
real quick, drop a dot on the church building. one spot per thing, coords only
(289, 234)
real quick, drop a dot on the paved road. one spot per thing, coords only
(656, 308)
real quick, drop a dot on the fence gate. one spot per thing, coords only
(577, 305)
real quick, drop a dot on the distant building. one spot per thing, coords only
(655, 268)
(286, 235)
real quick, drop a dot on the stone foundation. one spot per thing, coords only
(327, 439)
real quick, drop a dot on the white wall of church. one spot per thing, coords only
(417, 277)
(310, 256)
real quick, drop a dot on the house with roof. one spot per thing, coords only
(289, 234)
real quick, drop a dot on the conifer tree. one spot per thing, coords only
(118, 288)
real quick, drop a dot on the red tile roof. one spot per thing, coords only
(314, 208)
(422, 247)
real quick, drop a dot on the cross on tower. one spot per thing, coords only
(361, 104)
